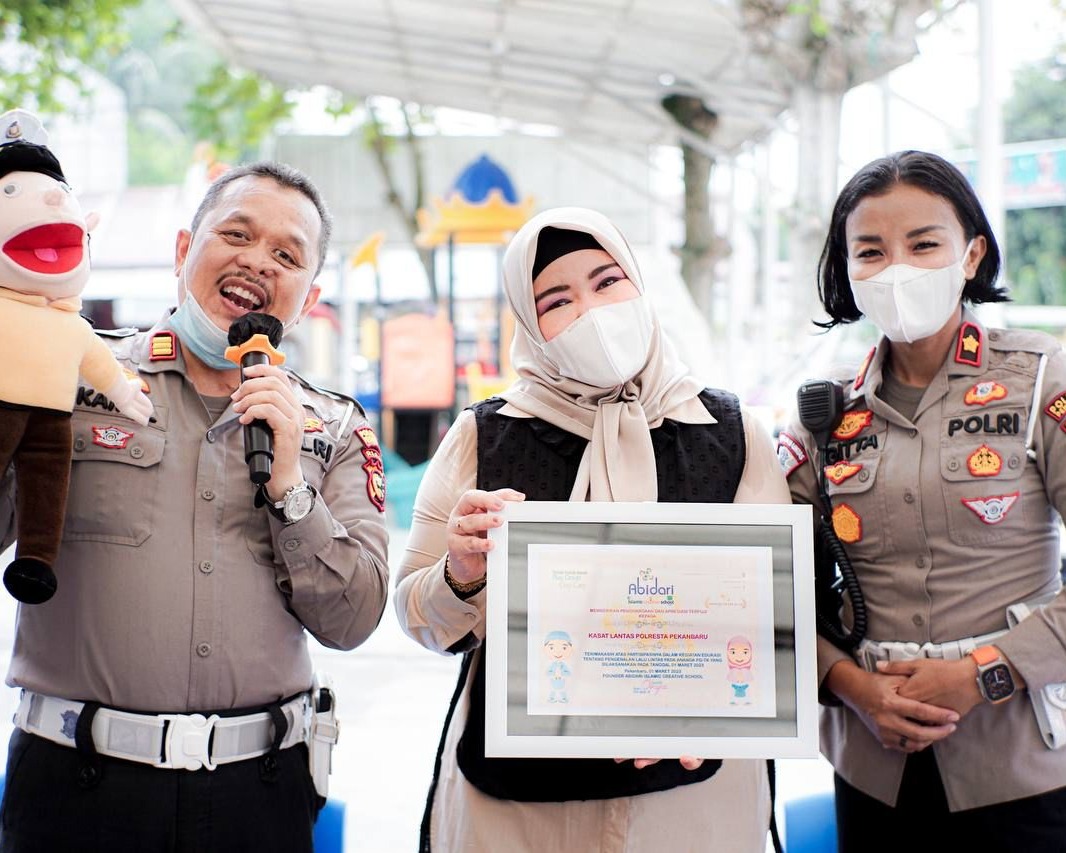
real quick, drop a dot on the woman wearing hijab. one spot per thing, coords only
(602, 410)
(946, 479)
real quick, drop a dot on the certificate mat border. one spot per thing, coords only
(802, 744)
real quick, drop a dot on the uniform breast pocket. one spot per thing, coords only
(984, 501)
(114, 475)
(858, 505)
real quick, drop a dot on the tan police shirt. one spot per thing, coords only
(947, 521)
(176, 593)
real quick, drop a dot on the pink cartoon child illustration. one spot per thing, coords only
(558, 647)
(738, 654)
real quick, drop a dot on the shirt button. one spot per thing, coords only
(864, 475)
(1014, 462)
(206, 567)
(914, 433)
(908, 497)
(211, 436)
(292, 545)
(137, 452)
(953, 464)
(203, 650)
(917, 619)
(207, 495)
(920, 562)
(79, 444)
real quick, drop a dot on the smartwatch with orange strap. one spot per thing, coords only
(994, 679)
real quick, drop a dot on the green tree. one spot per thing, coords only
(1036, 237)
(56, 40)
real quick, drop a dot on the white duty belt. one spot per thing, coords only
(166, 741)
(870, 652)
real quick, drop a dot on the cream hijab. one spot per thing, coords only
(619, 462)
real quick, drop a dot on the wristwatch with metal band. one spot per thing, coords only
(993, 675)
(297, 502)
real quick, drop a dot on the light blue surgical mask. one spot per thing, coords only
(203, 338)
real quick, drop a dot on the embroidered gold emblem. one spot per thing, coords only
(983, 393)
(847, 524)
(984, 462)
(852, 424)
(842, 471)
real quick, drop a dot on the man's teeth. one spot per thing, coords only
(245, 295)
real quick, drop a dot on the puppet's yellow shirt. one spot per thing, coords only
(44, 347)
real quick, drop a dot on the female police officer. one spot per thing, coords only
(944, 477)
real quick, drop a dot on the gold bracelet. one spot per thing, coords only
(460, 586)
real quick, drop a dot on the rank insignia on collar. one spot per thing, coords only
(983, 393)
(853, 423)
(860, 377)
(313, 425)
(1057, 407)
(993, 509)
(129, 374)
(847, 524)
(968, 346)
(111, 437)
(842, 471)
(163, 347)
(984, 462)
(790, 453)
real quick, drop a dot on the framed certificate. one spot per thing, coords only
(651, 630)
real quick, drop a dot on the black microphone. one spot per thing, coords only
(253, 339)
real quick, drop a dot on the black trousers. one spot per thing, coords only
(921, 822)
(52, 804)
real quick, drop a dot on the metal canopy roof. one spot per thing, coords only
(594, 68)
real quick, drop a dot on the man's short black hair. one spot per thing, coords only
(926, 172)
(281, 174)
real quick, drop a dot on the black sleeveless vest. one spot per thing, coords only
(694, 462)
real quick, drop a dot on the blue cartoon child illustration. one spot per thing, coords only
(738, 654)
(558, 647)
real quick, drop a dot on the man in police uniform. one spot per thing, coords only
(184, 596)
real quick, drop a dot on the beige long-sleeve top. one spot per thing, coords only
(727, 813)
(947, 522)
(177, 594)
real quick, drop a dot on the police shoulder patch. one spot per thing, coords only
(968, 345)
(1057, 408)
(790, 453)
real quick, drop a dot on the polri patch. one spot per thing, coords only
(968, 345)
(853, 423)
(993, 509)
(984, 462)
(847, 523)
(163, 347)
(860, 377)
(984, 393)
(842, 471)
(373, 466)
(790, 453)
(1057, 408)
(111, 437)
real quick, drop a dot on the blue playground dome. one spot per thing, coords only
(480, 178)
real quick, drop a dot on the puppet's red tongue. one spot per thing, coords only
(47, 248)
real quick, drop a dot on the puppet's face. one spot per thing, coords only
(44, 237)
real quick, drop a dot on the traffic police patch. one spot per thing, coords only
(374, 467)
(842, 471)
(984, 462)
(983, 393)
(111, 437)
(853, 423)
(860, 377)
(790, 453)
(968, 346)
(993, 509)
(1057, 407)
(163, 347)
(847, 524)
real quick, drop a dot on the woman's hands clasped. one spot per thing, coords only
(473, 516)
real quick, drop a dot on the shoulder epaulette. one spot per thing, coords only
(124, 332)
(326, 392)
(1026, 340)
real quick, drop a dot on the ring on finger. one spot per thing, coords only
(902, 741)
(458, 524)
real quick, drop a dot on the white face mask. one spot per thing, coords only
(910, 303)
(606, 346)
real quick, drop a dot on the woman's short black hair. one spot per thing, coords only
(917, 169)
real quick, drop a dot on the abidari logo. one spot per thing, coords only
(647, 584)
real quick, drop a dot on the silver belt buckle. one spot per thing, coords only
(187, 742)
